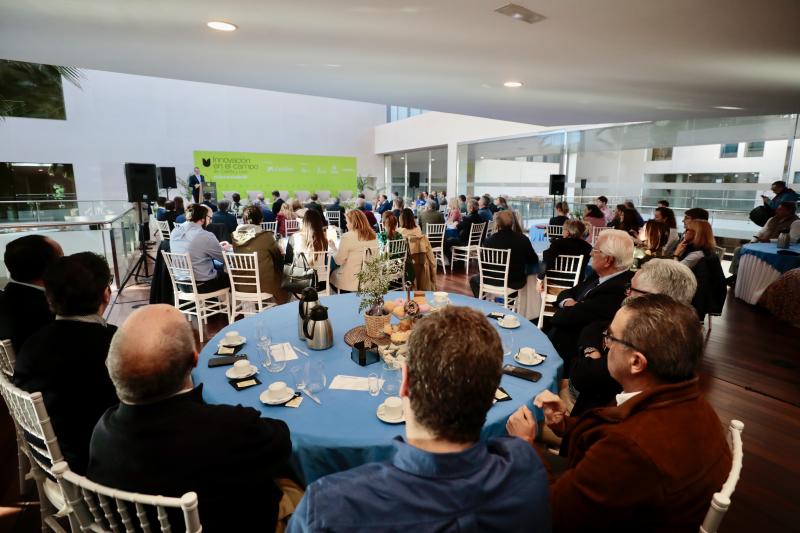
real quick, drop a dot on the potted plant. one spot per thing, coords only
(373, 284)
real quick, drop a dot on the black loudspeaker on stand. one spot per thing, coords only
(142, 189)
(557, 182)
(167, 179)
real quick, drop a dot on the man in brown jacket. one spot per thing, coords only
(653, 461)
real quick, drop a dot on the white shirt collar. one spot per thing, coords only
(606, 278)
(623, 397)
(31, 285)
(90, 319)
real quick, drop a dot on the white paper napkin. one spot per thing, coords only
(342, 382)
(282, 352)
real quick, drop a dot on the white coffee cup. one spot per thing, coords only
(241, 367)
(231, 337)
(527, 355)
(440, 297)
(509, 321)
(277, 390)
(393, 407)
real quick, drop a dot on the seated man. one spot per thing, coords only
(208, 202)
(164, 439)
(367, 205)
(336, 207)
(430, 214)
(65, 360)
(522, 253)
(385, 205)
(224, 216)
(443, 476)
(24, 309)
(570, 243)
(313, 203)
(484, 210)
(277, 202)
(590, 377)
(653, 461)
(203, 248)
(361, 206)
(785, 216)
(464, 228)
(160, 208)
(236, 205)
(598, 297)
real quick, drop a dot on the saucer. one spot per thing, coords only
(241, 340)
(382, 416)
(230, 374)
(269, 401)
(508, 326)
(538, 359)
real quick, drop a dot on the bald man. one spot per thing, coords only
(164, 439)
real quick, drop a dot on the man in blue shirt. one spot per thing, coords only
(443, 476)
(782, 194)
(483, 209)
(367, 205)
(224, 216)
(203, 248)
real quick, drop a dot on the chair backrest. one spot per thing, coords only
(380, 226)
(596, 231)
(302, 196)
(252, 196)
(163, 228)
(323, 196)
(180, 271)
(243, 272)
(566, 271)
(476, 234)
(332, 217)
(345, 195)
(30, 416)
(555, 231)
(7, 358)
(321, 262)
(721, 500)
(720, 252)
(100, 508)
(435, 233)
(292, 226)
(228, 195)
(270, 226)
(397, 248)
(493, 265)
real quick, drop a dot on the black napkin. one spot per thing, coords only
(244, 383)
(501, 395)
(236, 349)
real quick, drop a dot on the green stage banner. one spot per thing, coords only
(249, 171)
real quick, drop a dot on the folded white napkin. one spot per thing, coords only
(282, 352)
(342, 382)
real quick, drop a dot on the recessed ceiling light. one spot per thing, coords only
(520, 13)
(221, 25)
(481, 157)
(728, 107)
(512, 84)
(333, 65)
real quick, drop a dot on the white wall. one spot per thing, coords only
(513, 178)
(705, 159)
(117, 118)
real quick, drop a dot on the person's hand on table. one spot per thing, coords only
(568, 302)
(522, 424)
(226, 246)
(555, 411)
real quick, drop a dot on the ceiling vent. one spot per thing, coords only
(517, 12)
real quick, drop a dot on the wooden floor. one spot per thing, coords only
(751, 372)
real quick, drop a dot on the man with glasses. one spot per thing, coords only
(596, 298)
(203, 248)
(654, 460)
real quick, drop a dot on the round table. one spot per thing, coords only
(344, 432)
(759, 266)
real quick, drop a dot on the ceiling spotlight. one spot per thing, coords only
(512, 84)
(481, 157)
(728, 107)
(221, 26)
(520, 13)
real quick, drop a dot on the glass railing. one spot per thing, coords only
(61, 210)
(106, 228)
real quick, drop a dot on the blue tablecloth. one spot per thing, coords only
(768, 252)
(344, 432)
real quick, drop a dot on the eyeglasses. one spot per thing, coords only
(629, 288)
(608, 339)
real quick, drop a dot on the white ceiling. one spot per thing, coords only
(589, 61)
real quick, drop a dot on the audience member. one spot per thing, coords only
(782, 194)
(785, 216)
(630, 222)
(385, 204)
(593, 218)
(408, 226)
(277, 203)
(164, 439)
(367, 205)
(663, 203)
(667, 215)
(336, 207)
(314, 204)
(653, 461)
(562, 215)
(483, 210)
(794, 231)
(370, 216)
(501, 203)
(490, 205)
(420, 201)
(462, 203)
(695, 213)
(249, 237)
(602, 203)
(286, 213)
(698, 252)
(169, 214)
(639, 219)
(616, 219)
(237, 207)
(224, 216)
(654, 237)
(260, 201)
(522, 257)
(397, 206)
(571, 243)
(65, 360)
(311, 238)
(464, 228)
(180, 211)
(25, 309)
(359, 242)
(160, 209)
(203, 249)
(429, 215)
(444, 476)
(208, 202)
(454, 212)
(596, 298)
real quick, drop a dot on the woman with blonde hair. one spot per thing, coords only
(454, 216)
(352, 250)
(698, 241)
(286, 213)
(698, 252)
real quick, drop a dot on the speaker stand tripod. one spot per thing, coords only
(141, 263)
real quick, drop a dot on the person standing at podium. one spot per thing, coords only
(196, 183)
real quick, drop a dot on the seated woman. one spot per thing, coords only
(390, 233)
(653, 238)
(312, 238)
(667, 216)
(616, 220)
(249, 238)
(454, 215)
(180, 210)
(630, 222)
(352, 249)
(286, 213)
(697, 250)
(562, 214)
(501, 203)
(593, 218)
(408, 225)
(572, 243)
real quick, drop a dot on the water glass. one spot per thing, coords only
(391, 377)
(262, 333)
(315, 376)
(509, 344)
(270, 362)
(374, 384)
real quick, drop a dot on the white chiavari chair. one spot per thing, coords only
(555, 231)
(469, 251)
(596, 231)
(247, 296)
(292, 227)
(270, 226)
(565, 274)
(493, 265)
(435, 233)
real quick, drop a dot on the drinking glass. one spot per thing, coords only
(509, 344)
(315, 376)
(374, 384)
(262, 333)
(270, 362)
(391, 377)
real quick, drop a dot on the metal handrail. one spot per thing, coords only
(55, 224)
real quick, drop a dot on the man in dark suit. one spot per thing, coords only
(464, 228)
(386, 205)
(65, 360)
(164, 439)
(336, 207)
(277, 202)
(209, 203)
(196, 183)
(598, 297)
(314, 204)
(522, 253)
(24, 309)
(224, 216)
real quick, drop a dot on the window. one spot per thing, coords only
(395, 113)
(796, 177)
(754, 149)
(729, 150)
(31, 90)
(661, 154)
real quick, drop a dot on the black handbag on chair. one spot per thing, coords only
(299, 275)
